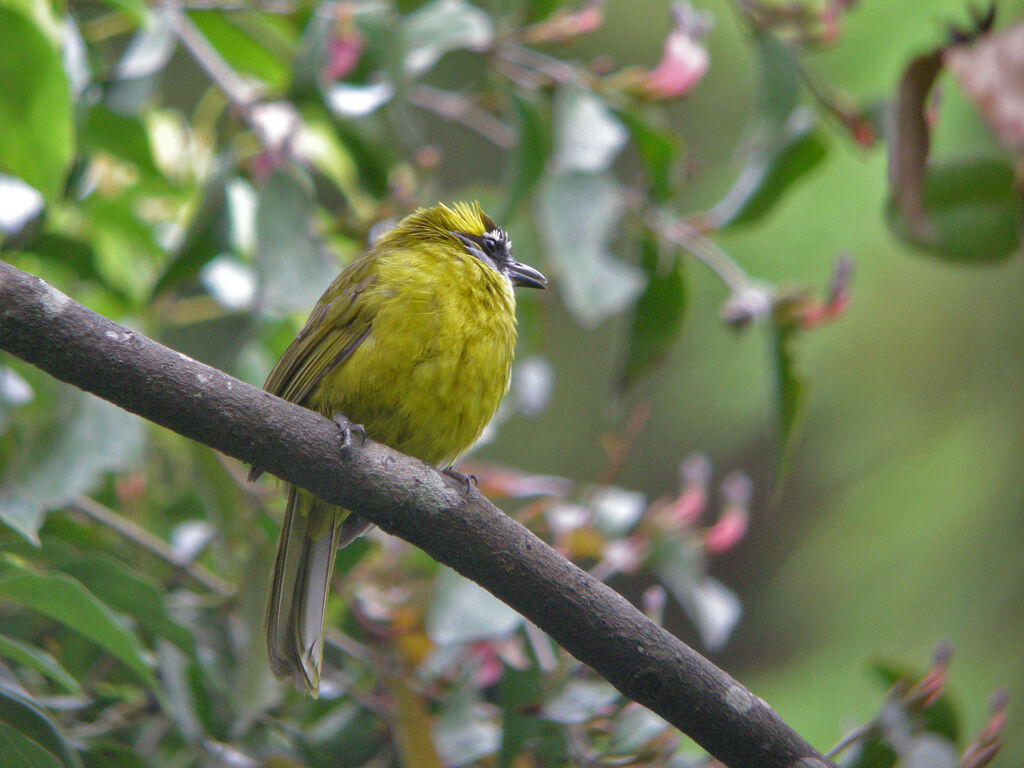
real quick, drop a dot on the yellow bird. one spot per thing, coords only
(412, 343)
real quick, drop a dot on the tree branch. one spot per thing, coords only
(409, 499)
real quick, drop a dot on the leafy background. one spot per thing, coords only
(885, 510)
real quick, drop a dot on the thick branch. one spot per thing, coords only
(407, 498)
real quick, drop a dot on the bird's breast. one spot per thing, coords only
(430, 374)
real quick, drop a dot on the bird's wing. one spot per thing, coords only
(337, 326)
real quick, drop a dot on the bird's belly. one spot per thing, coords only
(428, 387)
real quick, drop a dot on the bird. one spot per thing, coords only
(412, 346)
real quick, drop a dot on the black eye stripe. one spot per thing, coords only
(495, 244)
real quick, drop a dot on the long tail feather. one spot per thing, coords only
(299, 587)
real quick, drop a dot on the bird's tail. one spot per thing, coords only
(298, 591)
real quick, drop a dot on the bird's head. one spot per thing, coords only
(476, 234)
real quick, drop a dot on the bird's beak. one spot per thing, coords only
(524, 275)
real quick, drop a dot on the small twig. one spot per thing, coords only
(240, 93)
(455, 107)
(851, 737)
(706, 252)
(152, 544)
(542, 64)
(620, 445)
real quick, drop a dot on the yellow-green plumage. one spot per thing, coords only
(413, 341)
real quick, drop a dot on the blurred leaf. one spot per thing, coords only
(320, 145)
(580, 700)
(133, 593)
(21, 206)
(35, 106)
(105, 753)
(255, 690)
(970, 209)
(537, 10)
(657, 315)
(293, 267)
(123, 136)
(712, 608)
(872, 753)
(208, 235)
(634, 727)
(790, 388)
(66, 601)
(348, 100)
(525, 165)
(19, 751)
(940, 716)
(465, 732)
(616, 510)
(587, 135)
(658, 150)
(241, 38)
(462, 612)
(780, 78)
(95, 438)
(930, 751)
(33, 723)
(577, 214)
(412, 725)
(41, 662)
(442, 26)
(911, 138)
(149, 50)
(137, 9)
(771, 171)
(174, 669)
(991, 75)
(67, 251)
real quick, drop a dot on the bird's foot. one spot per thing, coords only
(469, 480)
(346, 429)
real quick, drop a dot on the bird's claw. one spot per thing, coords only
(346, 429)
(469, 480)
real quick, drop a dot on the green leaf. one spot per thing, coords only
(442, 26)
(137, 9)
(35, 106)
(780, 79)
(771, 171)
(42, 662)
(322, 147)
(525, 165)
(19, 751)
(132, 593)
(292, 266)
(940, 716)
(95, 438)
(465, 731)
(105, 753)
(658, 150)
(462, 612)
(576, 215)
(33, 724)
(790, 389)
(971, 212)
(208, 235)
(65, 600)
(123, 136)
(657, 315)
(240, 39)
